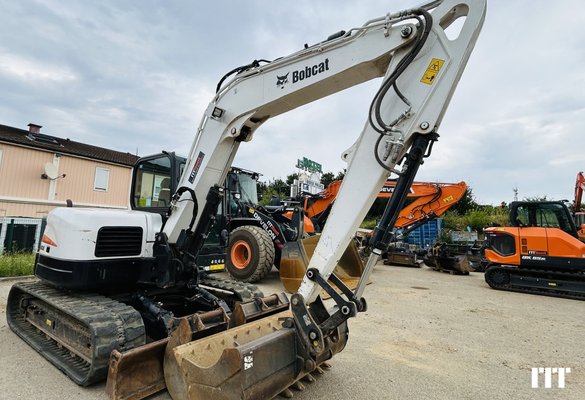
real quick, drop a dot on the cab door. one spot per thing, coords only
(533, 237)
(154, 181)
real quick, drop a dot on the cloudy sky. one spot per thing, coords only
(135, 76)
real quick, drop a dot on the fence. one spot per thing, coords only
(20, 234)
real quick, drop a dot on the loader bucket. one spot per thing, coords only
(296, 256)
(258, 360)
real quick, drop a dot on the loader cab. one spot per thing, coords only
(154, 180)
(241, 188)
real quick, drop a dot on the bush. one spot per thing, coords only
(17, 264)
(476, 219)
(368, 223)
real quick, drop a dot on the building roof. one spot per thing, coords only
(43, 141)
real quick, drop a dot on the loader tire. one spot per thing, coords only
(250, 253)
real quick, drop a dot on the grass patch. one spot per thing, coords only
(368, 223)
(17, 264)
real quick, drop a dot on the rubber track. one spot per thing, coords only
(241, 291)
(544, 274)
(109, 325)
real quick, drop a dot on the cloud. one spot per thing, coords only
(138, 76)
(25, 69)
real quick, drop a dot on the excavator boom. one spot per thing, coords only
(421, 66)
(579, 215)
(579, 186)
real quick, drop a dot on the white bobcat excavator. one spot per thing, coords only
(123, 281)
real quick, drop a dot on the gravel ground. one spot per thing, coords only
(426, 335)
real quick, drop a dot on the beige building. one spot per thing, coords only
(39, 172)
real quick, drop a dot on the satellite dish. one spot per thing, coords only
(51, 170)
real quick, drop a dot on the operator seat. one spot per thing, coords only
(164, 196)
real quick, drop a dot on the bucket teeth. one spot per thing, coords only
(298, 386)
(308, 378)
(286, 393)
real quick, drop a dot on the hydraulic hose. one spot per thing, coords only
(253, 64)
(379, 125)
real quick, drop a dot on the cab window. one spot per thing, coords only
(152, 183)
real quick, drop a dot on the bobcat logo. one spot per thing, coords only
(281, 80)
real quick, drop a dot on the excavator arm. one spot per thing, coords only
(431, 201)
(579, 186)
(420, 67)
(578, 215)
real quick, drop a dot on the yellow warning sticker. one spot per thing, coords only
(432, 71)
(217, 267)
(448, 199)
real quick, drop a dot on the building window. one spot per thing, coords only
(102, 178)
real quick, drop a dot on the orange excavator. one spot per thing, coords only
(538, 253)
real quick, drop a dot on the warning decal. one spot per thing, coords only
(432, 71)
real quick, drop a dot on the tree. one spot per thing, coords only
(467, 203)
(290, 179)
(327, 178)
(277, 188)
(535, 198)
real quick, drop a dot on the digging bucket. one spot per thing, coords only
(258, 360)
(217, 367)
(296, 256)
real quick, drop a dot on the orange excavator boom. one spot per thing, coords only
(579, 186)
(432, 200)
